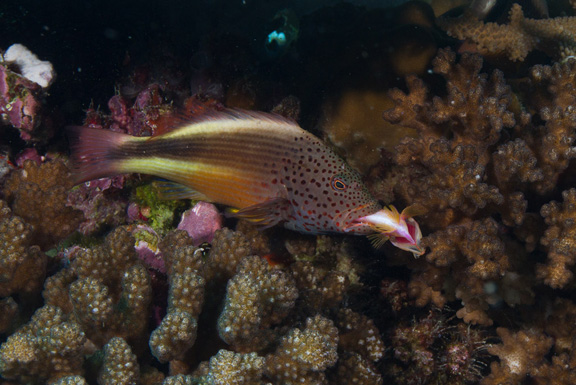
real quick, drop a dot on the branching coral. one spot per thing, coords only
(474, 110)
(227, 367)
(447, 170)
(352, 368)
(47, 348)
(22, 266)
(360, 341)
(484, 163)
(174, 336)
(103, 294)
(544, 352)
(105, 290)
(560, 240)
(358, 334)
(177, 331)
(520, 354)
(553, 144)
(71, 380)
(257, 315)
(518, 38)
(450, 174)
(324, 269)
(119, 364)
(257, 298)
(490, 160)
(473, 174)
(38, 194)
(304, 354)
(228, 249)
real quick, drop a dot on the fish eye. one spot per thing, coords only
(338, 184)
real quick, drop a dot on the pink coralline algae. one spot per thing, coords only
(201, 222)
(29, 153)
(140, 119)
(22, 79)
(19, 102)
(101, 201)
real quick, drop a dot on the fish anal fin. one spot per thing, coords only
(168, 190)
(266, 214)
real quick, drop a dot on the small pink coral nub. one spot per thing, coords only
(201, 222)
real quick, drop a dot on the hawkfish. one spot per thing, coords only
(265, 167)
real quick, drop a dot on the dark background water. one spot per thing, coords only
(95, 44)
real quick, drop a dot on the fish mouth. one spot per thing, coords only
(350, 225)
(359, 223)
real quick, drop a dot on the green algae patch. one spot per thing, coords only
(161, 215)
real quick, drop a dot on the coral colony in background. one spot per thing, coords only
(466, 110)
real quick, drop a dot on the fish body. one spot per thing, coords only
(263, 165)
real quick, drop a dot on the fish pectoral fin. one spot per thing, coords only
(168, 190)
(378, 240)
(265, 214)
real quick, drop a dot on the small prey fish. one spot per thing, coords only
(264, 166)
(400, 228)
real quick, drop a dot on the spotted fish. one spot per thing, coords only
(264, 166)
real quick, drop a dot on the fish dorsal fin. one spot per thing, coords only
(168, 190)
(377, 240)
(167, 122)
(265, 214)
(171, 121)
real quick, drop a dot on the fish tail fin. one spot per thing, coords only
(95, 152)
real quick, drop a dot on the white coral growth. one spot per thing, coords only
(32, 68)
